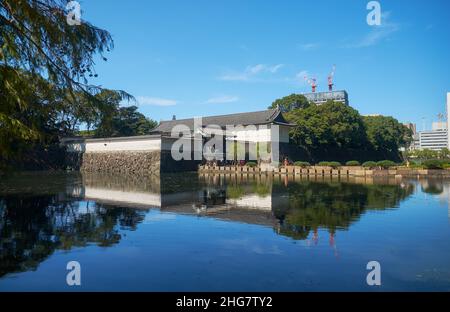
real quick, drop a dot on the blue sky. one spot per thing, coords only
(196, 58)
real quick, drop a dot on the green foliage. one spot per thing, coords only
(235, 191)
(331, 124)
(45, 65)
(332, 164)
(302, 164)
(429, 154)
(369, 164)
(433, 164)
(251, 164)
(353, 163)
(386, 164)
(291, 102)
(124, 121)
(338, 127)
(386, 133)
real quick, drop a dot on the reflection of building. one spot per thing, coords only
(323, 97)
(228, 202)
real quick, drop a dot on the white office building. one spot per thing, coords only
(438, 137)
(448, 116)
(435, 139)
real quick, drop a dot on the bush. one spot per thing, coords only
(302, 164)
(369, 164)
(433, 164)
(251, 164)
(332, 164)
(352, 163)
(386, 164)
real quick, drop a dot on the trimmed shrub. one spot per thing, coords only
(433, 164)
(386, 164)
(352, 163)
(302, 164)
(251, 164)
(332, 164)
(369, 164)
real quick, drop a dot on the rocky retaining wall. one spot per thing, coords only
(146, 163)
(142, 163)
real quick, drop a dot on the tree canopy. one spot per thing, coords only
(291, 102)
(386, 133)
(330, 124)
(46, 73)
(334, 127)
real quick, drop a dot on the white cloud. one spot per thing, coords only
(378, 33)
(222, 99)
(145, 100)
(251, 72)
(300, 76)
(309, 46)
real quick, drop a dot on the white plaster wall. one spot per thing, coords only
(152, 144)
(260, 134)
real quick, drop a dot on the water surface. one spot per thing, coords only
(190, 232)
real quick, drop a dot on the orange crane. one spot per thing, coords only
(330, 78)
(312, 82)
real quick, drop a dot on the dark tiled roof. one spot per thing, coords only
(244, 119)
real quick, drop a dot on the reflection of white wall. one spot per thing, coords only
(252, 202)
(107, 195)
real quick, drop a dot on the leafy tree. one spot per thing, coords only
(386, 133)
(125, 121)
(44, 64)
(291, 102)
(329, 124)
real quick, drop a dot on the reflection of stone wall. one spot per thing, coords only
(122, 162)
(123, 182)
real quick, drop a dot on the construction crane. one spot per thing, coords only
(330, 78)
(312, 82)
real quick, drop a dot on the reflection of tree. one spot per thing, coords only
(32, 228)
(434, 187)
(334, 205)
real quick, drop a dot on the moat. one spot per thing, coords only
(231, 232)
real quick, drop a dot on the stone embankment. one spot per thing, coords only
(328, 171)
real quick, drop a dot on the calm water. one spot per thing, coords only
(210, 233)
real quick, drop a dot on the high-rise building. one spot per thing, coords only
(438, 137)
(323, 97)
(435, 139)
(448, 117)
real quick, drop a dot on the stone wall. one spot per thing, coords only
(145, 163)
